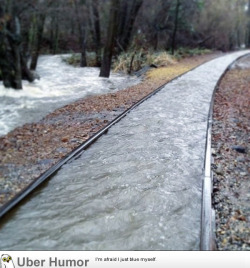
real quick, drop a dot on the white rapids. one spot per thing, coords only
(59, 85)
(139, 187)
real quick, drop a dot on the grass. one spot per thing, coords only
(183, 52)
(167, 72)
(132, 61)
(128, 62)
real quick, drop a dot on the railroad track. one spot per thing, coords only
(77, 152)
(208, 213)
(207, 218)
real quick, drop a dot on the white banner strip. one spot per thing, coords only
(92, 259)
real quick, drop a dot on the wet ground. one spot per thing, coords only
(137, 188)
(28, 151)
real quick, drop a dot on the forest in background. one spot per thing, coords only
(109, 28)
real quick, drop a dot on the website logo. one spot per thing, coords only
(6, 261)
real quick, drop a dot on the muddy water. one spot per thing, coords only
(137, 188)
(59, 85)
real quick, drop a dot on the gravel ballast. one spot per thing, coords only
(230, 148)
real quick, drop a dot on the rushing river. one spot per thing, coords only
(137, 188)
(59, 84)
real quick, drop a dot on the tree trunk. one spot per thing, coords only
(14, 42)
(156, 41)
(108, 48)
(4, 52)
(26, 73)
(97, 31)
(54, 34)
(248, 13)
(13, 67)
(17, 66)
(5, 62)
(56, 37)
(123, 16)
(38, 40)
(177, 8)
(83, 62)
(82, 33)
(127, 19)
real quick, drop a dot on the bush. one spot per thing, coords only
(75, 58)
(184, 52)
(133, 61)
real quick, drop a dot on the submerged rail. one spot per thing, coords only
(77, 152)
(206, 227)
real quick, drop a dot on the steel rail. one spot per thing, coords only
(80, 149)
(206, 227)
(207, 212)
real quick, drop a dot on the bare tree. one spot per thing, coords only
(12, 64)
(97, 30)
(111, 34)
(160, 22)
(248, 30)
(128, 14)
(176, 20)
(40, 13)
(82, 33)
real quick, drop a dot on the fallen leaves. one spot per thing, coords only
(230, 141)
(65, 139)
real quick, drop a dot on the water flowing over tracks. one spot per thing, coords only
(139, 187)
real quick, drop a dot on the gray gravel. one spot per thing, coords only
(231, 152)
